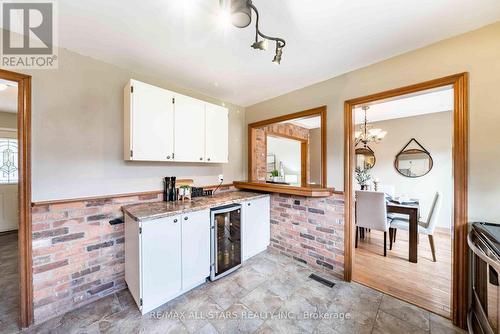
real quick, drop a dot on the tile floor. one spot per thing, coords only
(269, 294)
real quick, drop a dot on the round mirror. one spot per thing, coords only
(365, 158)
(413, 163)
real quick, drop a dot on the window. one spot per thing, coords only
(8, 160)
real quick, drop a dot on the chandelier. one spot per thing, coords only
(241, 17)
(366, 134)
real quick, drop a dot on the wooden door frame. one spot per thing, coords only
(304, 151)
(460, 277)
(24, 194)
(252, 127)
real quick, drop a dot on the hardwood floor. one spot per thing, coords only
(9, 283)
(426, 284)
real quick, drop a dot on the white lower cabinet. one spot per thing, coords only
(161, 261)
(166, 257)
(256, 227)
(195, 249)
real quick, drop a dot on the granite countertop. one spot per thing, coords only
(155, 210)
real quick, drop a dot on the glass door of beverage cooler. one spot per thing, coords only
(226, 240)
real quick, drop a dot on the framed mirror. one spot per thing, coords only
(365, 158)
(289, 150)
(413, 162)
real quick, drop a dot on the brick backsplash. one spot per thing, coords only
(78, 256)
(311, 230)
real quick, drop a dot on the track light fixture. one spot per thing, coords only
(241, 17)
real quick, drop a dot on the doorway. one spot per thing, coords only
(459, 276)
(15, 200)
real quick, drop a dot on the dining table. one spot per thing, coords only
(411, 209)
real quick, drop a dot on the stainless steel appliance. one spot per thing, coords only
(225, 240)
(484, 242)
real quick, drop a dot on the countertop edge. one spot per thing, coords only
(194, 209)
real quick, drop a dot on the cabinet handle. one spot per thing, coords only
(185, 218)
(201, 159)
(249, 204)
(208, 159)
(175, 220)
(168, 157)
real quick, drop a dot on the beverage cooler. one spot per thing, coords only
(225, 240)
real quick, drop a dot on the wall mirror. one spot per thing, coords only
(413, 162)
(365, 158)
(289, 150)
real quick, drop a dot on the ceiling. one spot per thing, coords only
(427, 102)
(307, 122)
(185, 42)
(8, 97)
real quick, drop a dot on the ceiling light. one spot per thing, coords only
(3, 86)
(366, 134)
(241, 17)
(241, 13)
(260, 45)
(279, 52)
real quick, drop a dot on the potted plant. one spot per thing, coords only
(184, 192)
(275, 175)
(363, 176)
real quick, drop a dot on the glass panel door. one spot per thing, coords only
(228, 233)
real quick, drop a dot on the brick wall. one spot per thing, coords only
(311, 230)
(260, 167)
(78, 256)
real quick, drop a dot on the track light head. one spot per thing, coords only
(241, 13)
(279, 53)
(260, 45)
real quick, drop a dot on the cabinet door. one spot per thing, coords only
(161, 261)
(152, 121)
(256, 229)
(189, 129)
(195, 248)
(216, 129)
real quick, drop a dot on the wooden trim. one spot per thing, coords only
(93, 198)
(24, 194)
(460, 277)
(321, 111)
(306, 191)
(303, 162)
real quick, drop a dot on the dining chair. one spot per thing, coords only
(371, 213)
(425, 226)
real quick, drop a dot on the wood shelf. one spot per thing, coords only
(306, 191)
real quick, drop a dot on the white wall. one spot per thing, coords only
(77, 134)
(434, 132)
(476, 52)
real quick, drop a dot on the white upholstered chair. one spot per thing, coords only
(425, 226)
(371, 213)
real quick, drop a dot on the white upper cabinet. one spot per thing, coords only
(189, 129)
(161, 125)
(216, 129)
(149, 134)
